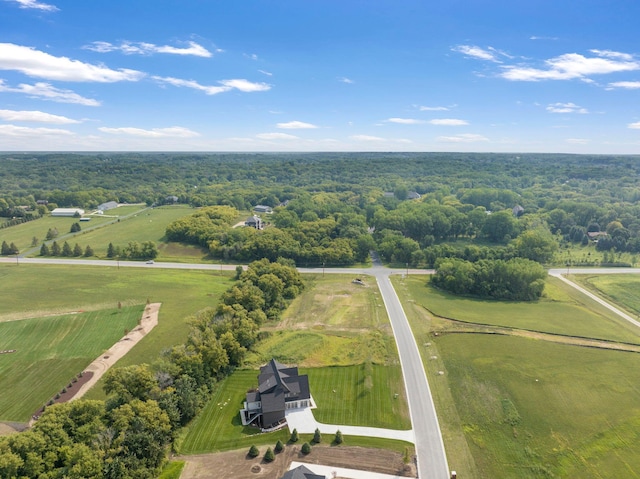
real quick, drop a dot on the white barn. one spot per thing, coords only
(67, 212)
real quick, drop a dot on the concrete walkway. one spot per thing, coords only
(331, 472)
(303, 421)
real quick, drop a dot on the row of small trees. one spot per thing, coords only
(269, 455)
(65, 250)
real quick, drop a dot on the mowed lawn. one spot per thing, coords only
(623, 289)
(50, 351)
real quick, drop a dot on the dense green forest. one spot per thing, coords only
(333, 208)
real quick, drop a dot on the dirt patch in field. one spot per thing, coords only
(8, 428)
(235, 464)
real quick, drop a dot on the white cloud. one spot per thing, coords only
(276, 136)
(477, 52)
(296, 125)
(448, 122)
(535, 37)
(266, 73)
(346, 80)
(433, 108)
(634, 126)
(630, 85)
(45, 7)
(464, 138)
(39, 64)
(573, 66)
(566, 108)
(23, 131)
(227, 85)
(577, 141)
(47, 92)
(34, 116)
(143, 48)
(366, 138)
(405, 121)
(171, 132)
(251, 56)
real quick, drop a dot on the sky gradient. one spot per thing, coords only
(320, 75)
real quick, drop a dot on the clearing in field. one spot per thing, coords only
(516, 405)
(48, 352)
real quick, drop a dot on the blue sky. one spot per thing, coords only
(320, 75)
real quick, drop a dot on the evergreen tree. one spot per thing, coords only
(44, 250)
(66, 250)
(52, 233)
(269, 456)
(306, 448)
(111, 251)
(279, 447)
(77, 250)
(338, 439)
(317, 438)
(253, 451)
(55, 249)
(4, 250)
(75, 227)
(294, 436)
(88, 252)
(13, 249)
(34, 241)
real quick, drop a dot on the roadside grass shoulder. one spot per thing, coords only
(50, 351)
(621, 289)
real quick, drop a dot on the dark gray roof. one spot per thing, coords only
(253, 396)
(302, 472)
(272, 401)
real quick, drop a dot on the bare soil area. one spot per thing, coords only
(235, 464)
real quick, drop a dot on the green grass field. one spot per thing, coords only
(562, 310)
(513, 407)
(50, 351)
(40, 290)
(622, 289)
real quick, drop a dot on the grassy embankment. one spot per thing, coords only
(517, 404)
(40, 291)
(338, 333)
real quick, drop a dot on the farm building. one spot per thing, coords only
(263, 209)
(67, 212)
(109, 205)
(279, 388)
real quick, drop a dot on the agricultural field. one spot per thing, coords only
(338, 332)
(45, 290)
(515, 406)
(49, 351)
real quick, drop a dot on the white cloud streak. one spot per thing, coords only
(366, 138)
(34, 4)
(477, 52)
(35, 63)
(448, 122)
(346, 80)
(35, 116)
(566, 108)
(296, 125)
(629, 85)
(23, 131)
(276, 136)
(225, 85)
(464, 138)
(433, 108)
(45, 91)
(634, 126)
(405, 121)
(144, 48)
(573, 66)
(171, 132)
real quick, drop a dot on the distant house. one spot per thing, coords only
(302, 472)
(413, 195)
(595, 235)
(517, 211)
(255, 222)
(263, 209)
(67, 212)
(42, 202)
(279, 388)
(109, 205)
(171, 199)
